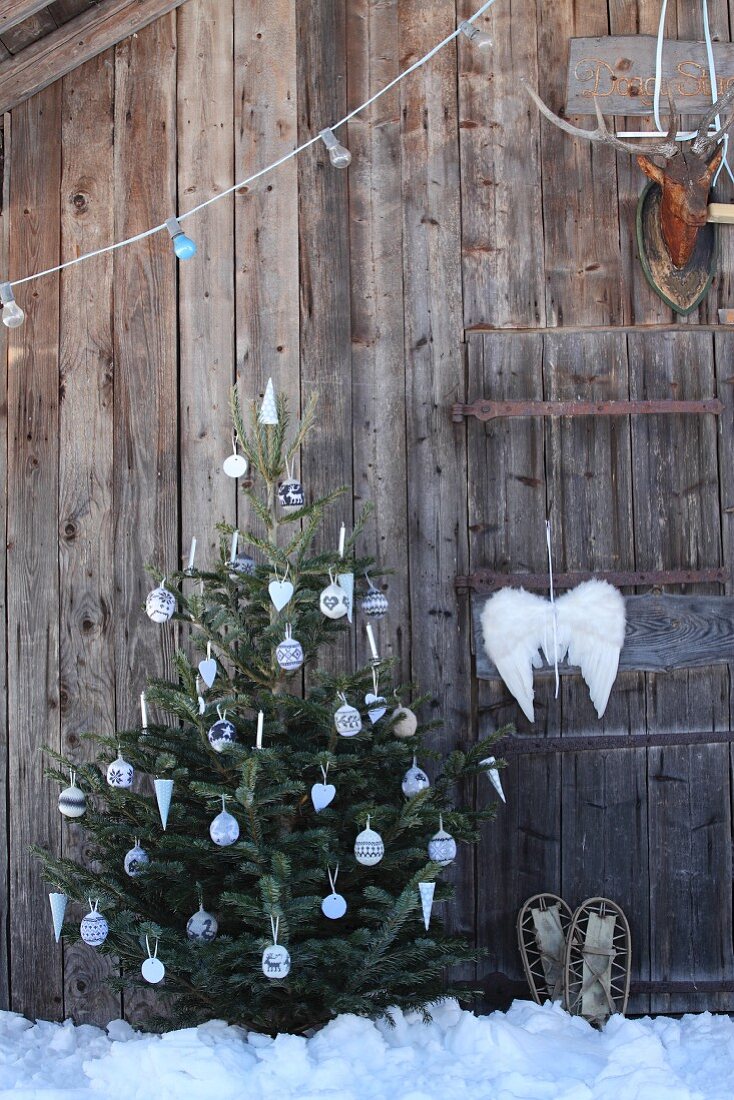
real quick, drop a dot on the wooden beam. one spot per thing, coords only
(721, 212)
(75, 42)
(13, 12)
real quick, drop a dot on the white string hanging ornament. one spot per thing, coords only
(72, 802)
(160, 604)
(347, 719)
(235, 465)
(374, 604)
(119, 772)
(323, 794)
(94, 928)
(369, 847)
(442, 846)
(289, 652)
(281, 591)
(152, 969)
(334, 905)
(291, 496)
(136, 860)
(184, 247)
(276, 962)
(224, 829)
(208, 667)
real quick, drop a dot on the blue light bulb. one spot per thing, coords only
(183, 246)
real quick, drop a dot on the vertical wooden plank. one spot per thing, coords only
(502, 216)
(580, 219)
(86, 575)
(604, 794)
(324, 267)
(266, 93)
(376, 256)
(677, 522)
(520, 853)
(33, 586)
(5, 135)
(145, 435)
(436, 467)
(206, 283)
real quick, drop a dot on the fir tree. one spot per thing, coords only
(378, 953)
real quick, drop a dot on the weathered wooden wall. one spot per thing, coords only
(373, 288)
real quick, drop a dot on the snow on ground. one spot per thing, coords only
(528, 1053)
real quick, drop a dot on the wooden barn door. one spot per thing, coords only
(648, 826)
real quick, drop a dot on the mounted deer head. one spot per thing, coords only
(684, 176)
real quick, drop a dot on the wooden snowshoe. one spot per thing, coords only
(542, 927)
(598, 958)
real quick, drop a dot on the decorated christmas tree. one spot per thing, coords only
(283, 865)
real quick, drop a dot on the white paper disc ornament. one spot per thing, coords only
(58, 908)
(276, 962)
(289, 652)
(442, 846)
(201, 926)
(235, 465)
(153, 969)
(415, 780)
(368, 847)
(334, 601)
(72, 802)
(94, 927)
(224, 829)
(135, 860)
(291, 496)
(374, 604)
(322, 794)
(120, 773)
(222, 735)
(347, 720)
(160, 604)
(404, 723)
(333, 906)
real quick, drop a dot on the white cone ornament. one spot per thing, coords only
(135, 860)
(163, 794)
(493, 775)
(72, 802)
(58, 908)
(291, 496)
(347, 719)
(224, 829)
(94, 927)
(289, 652)
(120, 773)
(369, 847)
(427, 890)
(269, 408)
(160, 604)
(404, 723)
(346, 583)
(222, 735)
(374, 605)
(442, 846)
(201, 927)
(415, 780)
(334, 602)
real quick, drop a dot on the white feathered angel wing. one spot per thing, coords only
(515, 626)
(591, 622)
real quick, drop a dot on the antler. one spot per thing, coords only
(666, 148)
(704, 143)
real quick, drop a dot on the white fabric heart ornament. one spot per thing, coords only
(280, 593)
(589, 630)
(376, 706)
(208, 671)
(322, 794)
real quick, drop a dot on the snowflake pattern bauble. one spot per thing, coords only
(160, 605)
(369, 847)
(291, 496)
(347, 721)
(72, 802)
(224, 829)
(221, 735)
(201, 927)
(135, 860)
(276, 961)
(244, 564)
(94, 928)
(120, 773)
(442, 848)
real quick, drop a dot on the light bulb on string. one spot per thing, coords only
(13, 315)
(339, 155)
(183, 246)
(479, 39)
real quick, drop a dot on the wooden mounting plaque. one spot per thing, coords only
(663, 633)
(620, 72)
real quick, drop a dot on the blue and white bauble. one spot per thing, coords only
(224, 829)
(94, 928)
(135, 860)
(442, 848)
(291, 495)
(221, 735)
(72, 802)
(415, 780)
(202, 927)
(120, 773)
(160, 604)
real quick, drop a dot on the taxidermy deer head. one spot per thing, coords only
(683, 172)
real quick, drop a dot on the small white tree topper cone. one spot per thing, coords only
(160, 604)
(493, 775)
(58, 908)
(415, 780)
(120, 773)
(427, 890)
(163, 794)
(369, 847)
(269, 407)
(94, 927)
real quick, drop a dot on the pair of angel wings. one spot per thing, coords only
(589, 629)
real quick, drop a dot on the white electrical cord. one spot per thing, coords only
(263, 171)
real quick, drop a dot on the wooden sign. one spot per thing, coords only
(621, 73)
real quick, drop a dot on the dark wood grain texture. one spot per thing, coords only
(6, 134)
